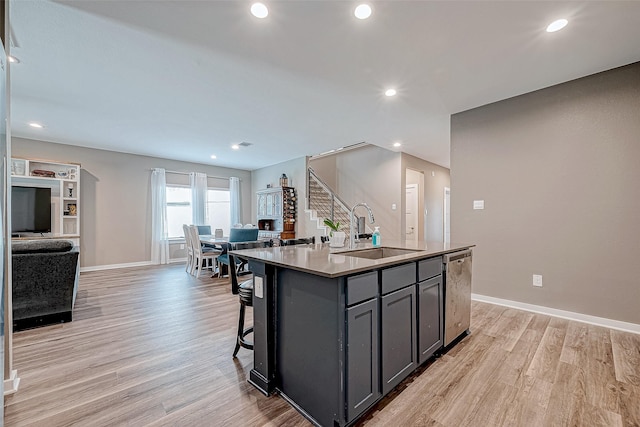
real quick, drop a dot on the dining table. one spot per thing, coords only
(216, 243)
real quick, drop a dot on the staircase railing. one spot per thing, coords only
(337, 206)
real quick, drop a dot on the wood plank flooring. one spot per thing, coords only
(152, 346)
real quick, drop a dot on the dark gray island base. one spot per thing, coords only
(334, 332)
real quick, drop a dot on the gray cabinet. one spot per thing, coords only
(429, 317)
(398, 336)
(363, 384)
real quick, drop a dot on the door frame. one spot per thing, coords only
(416, 230)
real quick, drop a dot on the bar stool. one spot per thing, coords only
(245, 292)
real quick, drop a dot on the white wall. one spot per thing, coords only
(115, 200)
(296, 171)
(372, 175)
(436, 178)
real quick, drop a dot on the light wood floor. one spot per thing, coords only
(152, 346)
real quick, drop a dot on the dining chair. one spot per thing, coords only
(188, 247)
(204, 258)
(237, 235)
(244, 290)
(204, 230)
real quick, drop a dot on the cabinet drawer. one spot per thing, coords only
(398, 277)
(362, 287)
(429, 268)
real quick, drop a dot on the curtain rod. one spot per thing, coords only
(187, 173)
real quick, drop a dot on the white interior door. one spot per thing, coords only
(447, 214)
(411, 212)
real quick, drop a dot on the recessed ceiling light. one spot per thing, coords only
(557, 25)
(235, 146)
(13, 59)
(363, 11)
(390, 92)
(259, 10)
(36, 125)
(397, 144)
(213, 156)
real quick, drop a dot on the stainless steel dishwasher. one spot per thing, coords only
(457, 294)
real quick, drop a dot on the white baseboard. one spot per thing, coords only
(114, 266)
(11, 384)
(127, 265)
(570, 315)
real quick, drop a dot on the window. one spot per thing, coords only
(219, 209)
(178, 210)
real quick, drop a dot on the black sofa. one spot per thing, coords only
(45, 282)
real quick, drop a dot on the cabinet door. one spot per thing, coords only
(269, 204)
(429, 317)
(398, 338)
(262, 205)
(362, 381)
(277, 204)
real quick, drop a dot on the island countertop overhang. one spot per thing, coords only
(321, 260)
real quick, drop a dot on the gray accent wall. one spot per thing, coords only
(558, 172)
(115, 201)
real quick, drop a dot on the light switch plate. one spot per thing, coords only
(537, 280)
(478, 204)
(393, 207)
(258, 286)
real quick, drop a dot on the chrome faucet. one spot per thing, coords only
(352, 236)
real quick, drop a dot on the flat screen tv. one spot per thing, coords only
(30, 209)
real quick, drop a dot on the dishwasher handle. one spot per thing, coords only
(457, 256)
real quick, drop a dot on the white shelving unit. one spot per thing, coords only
(64, 181)
(276, 213)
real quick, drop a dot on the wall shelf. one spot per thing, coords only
(64, 181)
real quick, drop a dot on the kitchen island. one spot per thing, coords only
(336, 329)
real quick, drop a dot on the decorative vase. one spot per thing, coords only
(337, 240)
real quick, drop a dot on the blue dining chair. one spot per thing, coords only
(204, 229)
(237, 235)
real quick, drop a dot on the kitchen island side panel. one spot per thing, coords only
(263, 373)
(308, 343)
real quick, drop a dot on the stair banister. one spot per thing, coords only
(334, 197)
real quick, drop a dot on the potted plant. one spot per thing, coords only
(336, 237)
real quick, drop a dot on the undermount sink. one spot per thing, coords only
(378, 253)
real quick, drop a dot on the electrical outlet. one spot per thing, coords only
(537, 280)
(258, 287)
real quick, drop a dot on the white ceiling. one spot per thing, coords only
(187, 79)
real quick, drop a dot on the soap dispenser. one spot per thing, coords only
(376, 238)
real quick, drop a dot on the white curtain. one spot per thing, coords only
(235, 206)
(159, 240)
(198, 183)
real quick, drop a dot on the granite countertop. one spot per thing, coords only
(321, 260)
